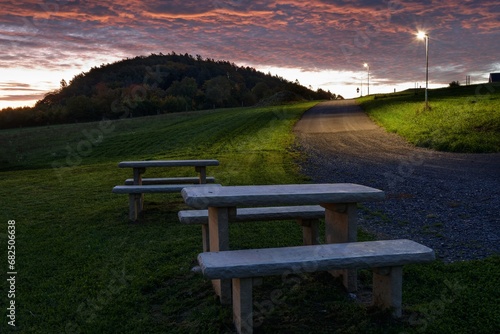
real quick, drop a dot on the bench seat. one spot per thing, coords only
(170, 180)
(259, 213)
(306, 215)
(386, 258)
(158, 188)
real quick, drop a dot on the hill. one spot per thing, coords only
(156, 84)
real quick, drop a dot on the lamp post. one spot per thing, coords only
(368, 71)
(425, 37)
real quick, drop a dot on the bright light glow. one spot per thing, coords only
(421, 35)
(365, 65)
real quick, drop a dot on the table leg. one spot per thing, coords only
(139, 205)
(203, 173)
(218, 226)
(341, 226)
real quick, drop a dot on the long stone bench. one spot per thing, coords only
(306, 215)
(170, 180)
(135, 192)
(386, 259)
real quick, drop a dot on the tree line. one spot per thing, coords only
(151, 85)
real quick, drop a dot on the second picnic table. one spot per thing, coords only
(139, 167)
(174, 184)
(339, 200)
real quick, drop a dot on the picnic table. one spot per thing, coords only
(339, 200)
(137, 185)
(139, 167)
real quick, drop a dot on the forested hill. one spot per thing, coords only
(154, 85)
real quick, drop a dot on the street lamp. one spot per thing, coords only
(368, 69)
(425, 37)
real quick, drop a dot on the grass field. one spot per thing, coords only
(83, 268)
(461, 119)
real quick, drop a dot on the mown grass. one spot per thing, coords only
(461, 119)
(83, 268)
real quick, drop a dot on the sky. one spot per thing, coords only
(321, 43)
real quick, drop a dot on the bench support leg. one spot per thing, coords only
(218, 226)
(341, 226)
(310, 231)
(387, 289)
(242, 305)
(203, 174)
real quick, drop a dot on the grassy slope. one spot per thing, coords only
(82, 268)
(463, 119)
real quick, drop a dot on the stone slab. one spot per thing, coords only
(167, 163)
(166, 188)
(170, 180)
(258, 214)
(279, 261)
(280, 195)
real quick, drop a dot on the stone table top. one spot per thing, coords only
(280, 195)
(167, 163)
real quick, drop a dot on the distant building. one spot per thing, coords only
(494, 77)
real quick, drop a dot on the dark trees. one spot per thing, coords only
(151, 85)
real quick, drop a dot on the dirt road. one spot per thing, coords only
(445, 200)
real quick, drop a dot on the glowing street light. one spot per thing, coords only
(425, 37)
(368, 69)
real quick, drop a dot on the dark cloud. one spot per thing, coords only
(25, 97)
(14, 85)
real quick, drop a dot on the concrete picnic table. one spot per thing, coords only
(139, 168)
(339, 200)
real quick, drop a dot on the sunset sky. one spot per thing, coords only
(321, 43)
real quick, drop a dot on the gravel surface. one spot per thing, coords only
(449, 202)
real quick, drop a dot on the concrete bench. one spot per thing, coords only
(306, 215)
(170, 180)
(386, 259)
(135, 193)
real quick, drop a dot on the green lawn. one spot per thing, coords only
(83, 268)
(461, 119)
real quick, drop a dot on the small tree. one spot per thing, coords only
(455, 84)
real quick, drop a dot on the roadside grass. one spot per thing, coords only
(461, 119)
(83, 268)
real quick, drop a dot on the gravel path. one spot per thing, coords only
(449, 202)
